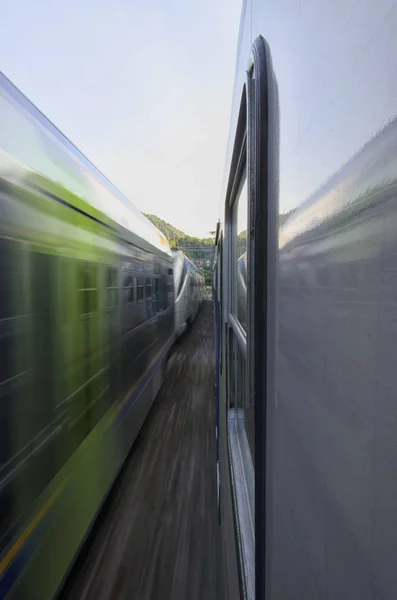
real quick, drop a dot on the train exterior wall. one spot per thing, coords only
(87, 321)
(189, 291)
(332, 453)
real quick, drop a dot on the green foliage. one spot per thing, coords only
(208, 276)
(171, 233)
(175, 236)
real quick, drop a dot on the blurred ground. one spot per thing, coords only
(158, 536)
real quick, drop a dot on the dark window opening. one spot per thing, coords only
(148, 289)
(87, 287)
(129, 288)
(111, 287)
(139, 290)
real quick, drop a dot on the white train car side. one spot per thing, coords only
(189, 291)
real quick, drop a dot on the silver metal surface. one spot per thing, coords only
(333, 421)
(243, 481)
(239, 333)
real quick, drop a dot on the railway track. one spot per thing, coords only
(157, 537)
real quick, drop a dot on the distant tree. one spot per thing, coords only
(208, 276)
(175, 236)
(170, 232)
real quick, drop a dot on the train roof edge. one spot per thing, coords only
(148, 231)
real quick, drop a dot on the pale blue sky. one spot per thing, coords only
(143, 89)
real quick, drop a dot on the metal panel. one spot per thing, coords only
(244, 497)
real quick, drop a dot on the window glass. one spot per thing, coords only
(183, 276)
(87, 287)
(156, 296)
(241, 396)
(241, 216)
(148, 289)
(128, 288)
(170, 293)
(111, 287)
(139, 290)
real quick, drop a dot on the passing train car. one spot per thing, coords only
(189, 291)
(307, 381)
(86, 323)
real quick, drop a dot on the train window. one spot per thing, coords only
(250, 245)
(129, 288)
(139, 290)
(238, 339)
(87, 287)
(111, 287)
(238, 221)
(170, 292)
(239, 217)
(148, 289)
(183, 276)
(241, 209)
(163, 292)
(157, 307)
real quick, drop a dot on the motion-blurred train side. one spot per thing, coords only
(306, 312)
(86, 325)
(189, 286)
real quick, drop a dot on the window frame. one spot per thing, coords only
(148, 284)
(140, 286)
(256, 150)
(110, 288)
(128, 273)
(91, 270)
(263, 156)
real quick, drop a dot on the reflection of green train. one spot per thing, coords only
(86, 322)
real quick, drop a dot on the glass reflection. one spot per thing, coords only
(241, 255)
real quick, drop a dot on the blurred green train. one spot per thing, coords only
(86, 323)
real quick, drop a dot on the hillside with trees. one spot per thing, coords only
(199, 250)
(196, 248)
(175, 236)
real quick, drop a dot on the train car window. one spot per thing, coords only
(139, 289)
(170, 292)
(87, 288)
(239, 247)
(263, 118)
(90, 398)
(238, 338)
(154, 297)
(129, 288)
(240, 275)
(111, 287)
(163, 292)
(157, 307)
(148, 289)
(183, 276)
(237, 230)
